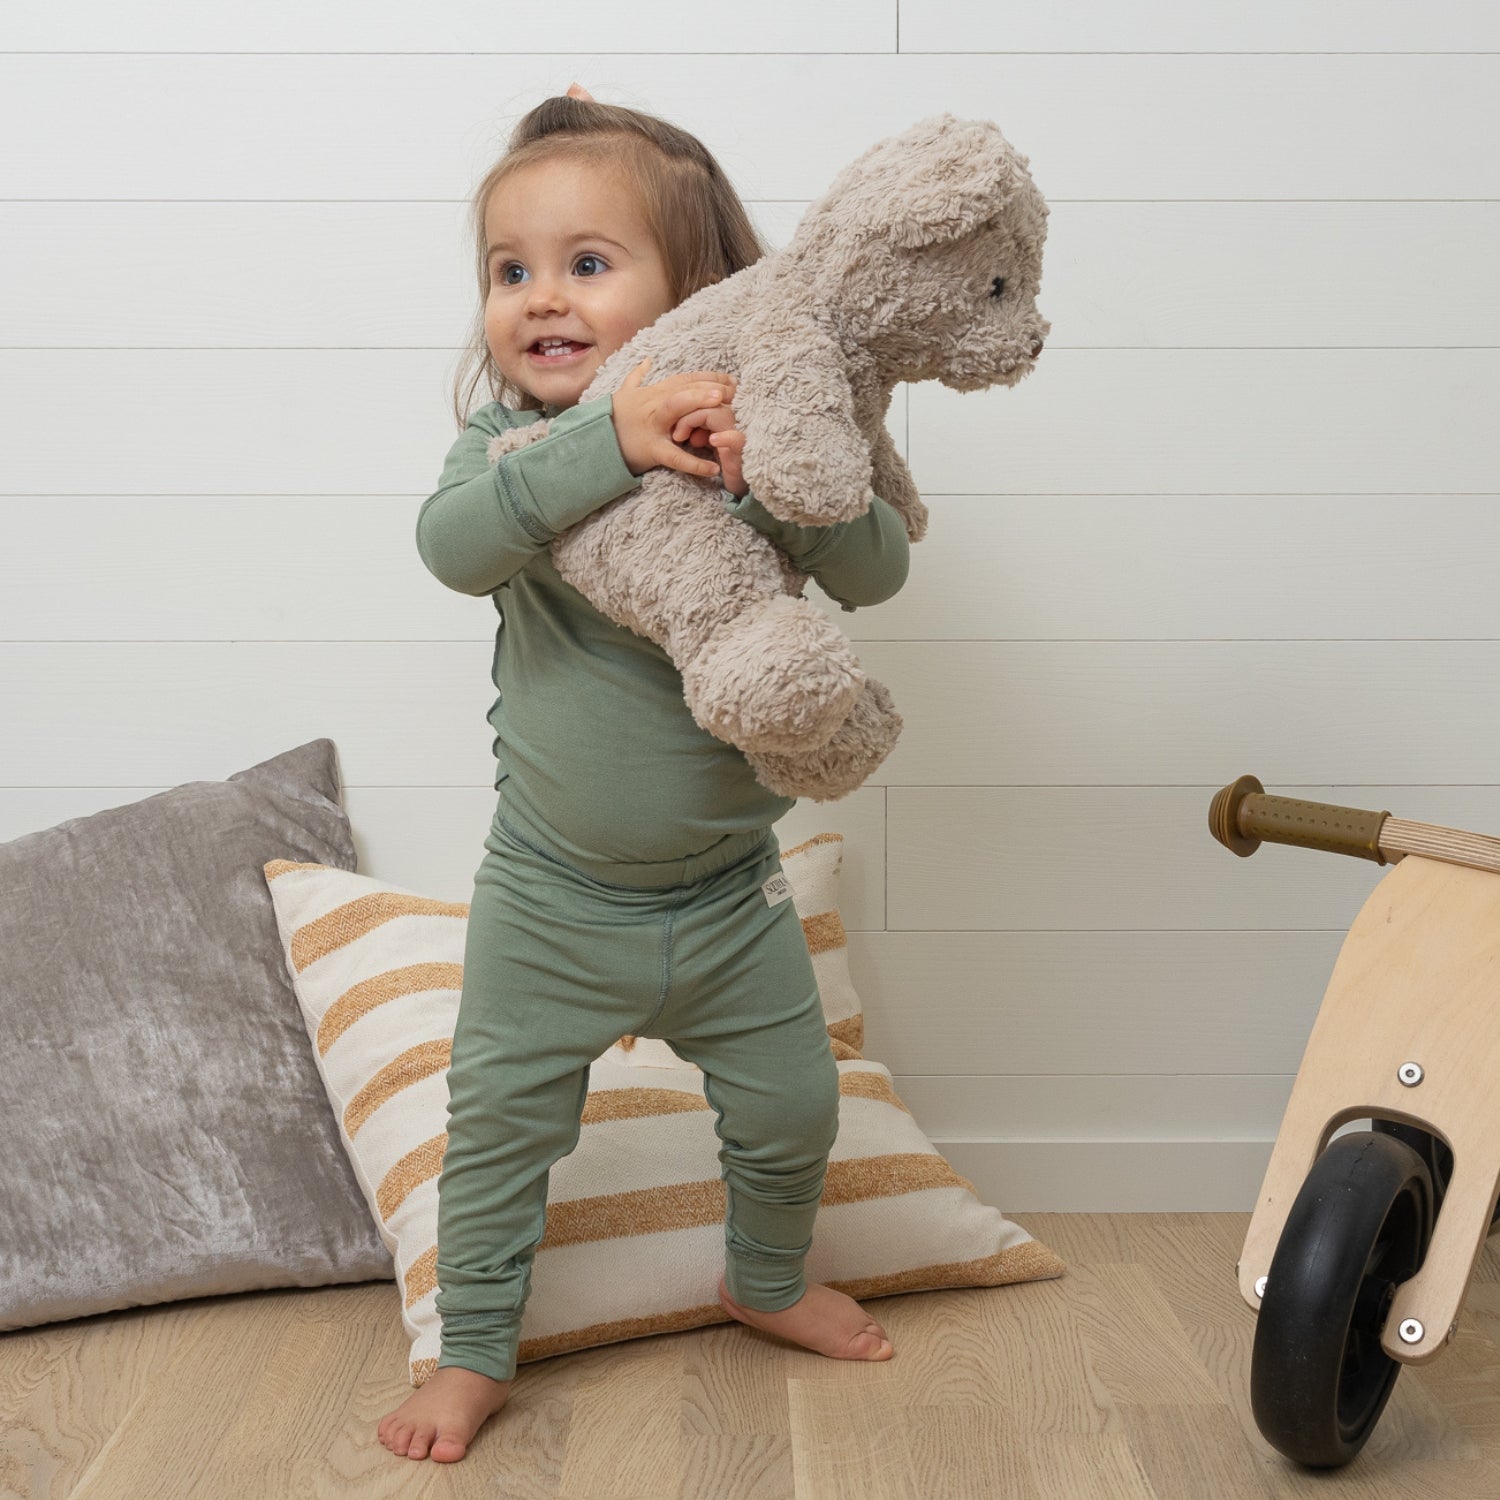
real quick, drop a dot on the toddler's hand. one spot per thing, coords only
(646, 416)
(714, 428)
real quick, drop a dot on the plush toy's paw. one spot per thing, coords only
(844, 762)
(513, 438)
(778, 676)
(808, 468)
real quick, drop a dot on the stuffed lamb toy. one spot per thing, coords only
(922, 261)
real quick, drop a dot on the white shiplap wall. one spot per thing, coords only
(1241, 519)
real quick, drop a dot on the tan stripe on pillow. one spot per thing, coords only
(857, 1084)
(636, 1104)
(602, 1107)
(360, 999)
(1026, 1262)
(1029, 1261)
(412, 1066)
(276, 867)
(824, 932)
(600, 1333)
(849, 1033)
(817, 838)
(653, 1210)
(691, 1205)
(347, 923)
(421, 1277)
(419, 1165)
(688, 1205)
(622, 1328)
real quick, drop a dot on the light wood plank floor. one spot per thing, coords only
(1124, 1380)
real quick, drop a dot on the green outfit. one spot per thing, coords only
(621, 889)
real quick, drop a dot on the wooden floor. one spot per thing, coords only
(1124, 1380)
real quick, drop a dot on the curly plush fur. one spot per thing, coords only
(922, 261)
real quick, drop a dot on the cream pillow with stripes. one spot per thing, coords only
(634, 1235)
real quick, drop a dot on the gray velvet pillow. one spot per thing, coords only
(165, 1130)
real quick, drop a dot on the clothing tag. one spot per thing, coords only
(776, 889)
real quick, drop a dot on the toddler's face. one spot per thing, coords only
(569, 258)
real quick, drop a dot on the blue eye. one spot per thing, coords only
(502, 277)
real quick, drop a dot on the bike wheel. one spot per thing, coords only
(1319, 1379)
(1438, 1157)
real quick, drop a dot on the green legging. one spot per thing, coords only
(559, 964)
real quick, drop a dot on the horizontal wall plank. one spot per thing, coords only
(1116, 567)
(225, 422)
(1154, 713)
(353, 572)
(1078, 1003)
(1118, 275)
(430, 839)
(218, 422)
(1013, 714)
(1174, 275)
(1069, 858)
(279, 126)
(845, 26)
(1169, 26)
(1101, 422)
(1106, 1177)
(1056, 568)
(1205, 421)
(840, 26)
(1089, 1107)
(253, 275)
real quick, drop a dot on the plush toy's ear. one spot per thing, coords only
(936, 181)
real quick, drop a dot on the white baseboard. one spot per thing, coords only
(1112, 1176)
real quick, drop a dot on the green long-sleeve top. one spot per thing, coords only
(593, 738)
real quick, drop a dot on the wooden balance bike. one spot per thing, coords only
(1361, 1248)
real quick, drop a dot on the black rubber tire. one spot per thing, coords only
(1319, 1379)
(1438, 1157)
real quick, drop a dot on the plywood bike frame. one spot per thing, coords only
(1417, 980)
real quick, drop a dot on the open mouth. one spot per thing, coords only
(548, 352)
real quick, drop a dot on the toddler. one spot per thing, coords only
(624, 885)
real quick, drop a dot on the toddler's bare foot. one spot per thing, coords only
(823, 1320)
(443, 1415)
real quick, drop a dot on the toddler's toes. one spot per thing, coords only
(871, 1343)
(448, 1448)
(421, 1441)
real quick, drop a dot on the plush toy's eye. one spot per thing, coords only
(997, 287)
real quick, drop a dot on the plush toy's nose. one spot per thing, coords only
(1036, 348)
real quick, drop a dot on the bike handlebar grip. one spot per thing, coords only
(1242, 815)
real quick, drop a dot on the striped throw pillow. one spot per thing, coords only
(634, 1240)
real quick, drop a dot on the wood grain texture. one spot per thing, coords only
(1126, 1379)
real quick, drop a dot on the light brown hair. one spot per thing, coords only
(696, 218)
